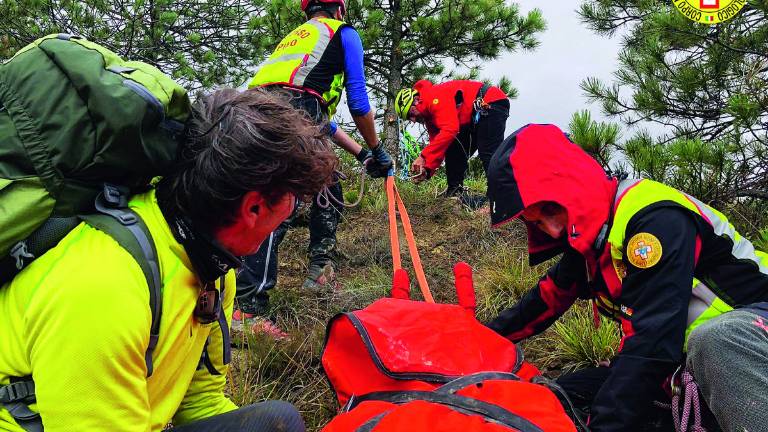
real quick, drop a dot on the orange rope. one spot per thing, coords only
(417, 267)
(393, 196)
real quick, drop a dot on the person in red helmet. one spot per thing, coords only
(690, 293)
(461, 117)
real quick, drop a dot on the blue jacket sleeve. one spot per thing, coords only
(354, 72)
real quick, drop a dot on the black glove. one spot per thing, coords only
(364, 155)
(381, 163)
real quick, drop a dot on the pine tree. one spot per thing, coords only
(201, 44)
(708, 85)
(406, 40)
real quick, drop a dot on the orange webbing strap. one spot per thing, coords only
(393, 197)
(394, 241)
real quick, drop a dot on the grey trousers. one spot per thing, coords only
(269, 416)
(728, 357)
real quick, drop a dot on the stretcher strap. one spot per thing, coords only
(394, 240)
(393, 197)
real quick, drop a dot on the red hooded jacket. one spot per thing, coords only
(443, 118)
(539, 163)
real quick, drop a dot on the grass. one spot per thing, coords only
(574, 342)
(761, 242)
(445, 232)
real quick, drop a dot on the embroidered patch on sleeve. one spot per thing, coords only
(643, 250)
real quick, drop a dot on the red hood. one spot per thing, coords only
(421, 85)
(539, 163)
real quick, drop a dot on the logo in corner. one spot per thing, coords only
(709, 11)
(643, 250)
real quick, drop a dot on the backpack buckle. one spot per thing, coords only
(19, 252)
(114, 196)
(17, 391)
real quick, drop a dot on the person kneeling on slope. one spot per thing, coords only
(687, 289)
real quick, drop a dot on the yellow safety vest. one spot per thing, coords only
(635, 195)
(297, 55)
(78, 320)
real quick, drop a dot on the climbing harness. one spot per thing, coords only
(480, 107)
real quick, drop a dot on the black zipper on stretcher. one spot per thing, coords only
(418, 376)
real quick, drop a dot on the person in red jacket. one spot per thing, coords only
(461, 117)
(689, 292)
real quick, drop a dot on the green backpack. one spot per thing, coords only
(74, 115)
(80, 130)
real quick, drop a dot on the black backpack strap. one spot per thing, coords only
(129, 231)
(467, 405)
(45, 237)
(16, 397)
(227, 346)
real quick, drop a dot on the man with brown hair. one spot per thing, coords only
(77, 319)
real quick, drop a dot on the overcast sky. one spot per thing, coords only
(548, 78)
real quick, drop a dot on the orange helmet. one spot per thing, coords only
(305, 4)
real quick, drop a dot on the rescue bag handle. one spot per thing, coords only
(393, 198)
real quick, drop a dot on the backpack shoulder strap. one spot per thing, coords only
(131, 233)
(16, 397)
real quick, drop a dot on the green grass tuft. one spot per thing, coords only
(573, 342)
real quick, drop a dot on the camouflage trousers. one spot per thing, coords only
(259, 273)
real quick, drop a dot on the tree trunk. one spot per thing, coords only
(394, 82)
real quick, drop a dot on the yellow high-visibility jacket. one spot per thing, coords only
(78, 320)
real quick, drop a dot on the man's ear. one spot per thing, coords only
(251, 208)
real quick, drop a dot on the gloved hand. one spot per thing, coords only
(364, 155)
(380, 164)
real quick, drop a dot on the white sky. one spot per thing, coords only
(548, 78)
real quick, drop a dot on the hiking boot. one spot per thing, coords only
(472, 201)
(453, 191)
(465, 197)
(241, 319)
(320, 277)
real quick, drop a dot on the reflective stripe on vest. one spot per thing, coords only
(297, 55)
(633, 196)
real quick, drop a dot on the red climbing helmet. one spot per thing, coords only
(305, 4)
